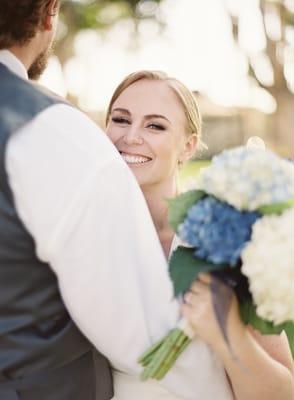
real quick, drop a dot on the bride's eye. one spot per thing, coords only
(157, 127)
(120, 120)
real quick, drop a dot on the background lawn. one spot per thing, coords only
(190, 170)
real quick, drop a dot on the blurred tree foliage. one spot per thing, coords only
(77, 15)
(277, 19)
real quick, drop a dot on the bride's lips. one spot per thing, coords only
(135, 159)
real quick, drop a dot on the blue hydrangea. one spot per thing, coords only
(217, 231)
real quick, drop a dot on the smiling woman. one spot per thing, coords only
(154, 122)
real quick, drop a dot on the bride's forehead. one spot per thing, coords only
(148, 88)
(152, 97)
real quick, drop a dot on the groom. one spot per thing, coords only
(81, 266)
(80, 263)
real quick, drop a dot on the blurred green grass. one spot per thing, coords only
(191, 170)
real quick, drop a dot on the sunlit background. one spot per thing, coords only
(236, 55)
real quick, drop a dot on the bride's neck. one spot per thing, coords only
(156, 196)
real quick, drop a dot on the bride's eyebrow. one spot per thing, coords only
(122, 110)
(150, 116)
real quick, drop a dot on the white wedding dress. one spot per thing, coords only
(205, 377)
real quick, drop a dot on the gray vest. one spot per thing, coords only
(43, 356)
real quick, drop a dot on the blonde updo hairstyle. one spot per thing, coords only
(185, 96)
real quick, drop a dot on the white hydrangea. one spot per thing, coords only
(248, 178)
(268, 262)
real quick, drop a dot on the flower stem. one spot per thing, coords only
(161, 374)
(148, 355)
(164, 357)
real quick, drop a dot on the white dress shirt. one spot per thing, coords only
(80, 202)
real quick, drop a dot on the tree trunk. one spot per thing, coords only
(282, 133)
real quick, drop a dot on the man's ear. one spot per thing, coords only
(189, 147)
(52, 11)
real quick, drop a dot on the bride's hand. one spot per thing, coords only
(200, 313)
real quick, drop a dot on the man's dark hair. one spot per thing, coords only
(20, 20)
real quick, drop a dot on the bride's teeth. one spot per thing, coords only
(134, 159)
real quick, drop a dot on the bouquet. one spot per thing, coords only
(238, 224)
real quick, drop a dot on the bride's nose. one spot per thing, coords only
(133, 136)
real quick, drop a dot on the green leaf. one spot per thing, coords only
(289, 330)
(179, 206)
(184, 267)
(276, 208)
(250, 317)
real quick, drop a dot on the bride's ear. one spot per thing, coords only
(189, 148)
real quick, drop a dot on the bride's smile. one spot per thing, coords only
(135, 160)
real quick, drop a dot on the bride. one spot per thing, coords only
(155, 124)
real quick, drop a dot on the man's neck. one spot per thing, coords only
(23, 54)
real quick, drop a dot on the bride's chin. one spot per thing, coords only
(142, 179)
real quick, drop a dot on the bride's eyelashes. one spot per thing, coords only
(120, 120)
(157, 127)
(125, 121)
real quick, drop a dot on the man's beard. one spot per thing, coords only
(40, 63)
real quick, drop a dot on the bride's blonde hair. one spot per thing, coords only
(185, 96)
